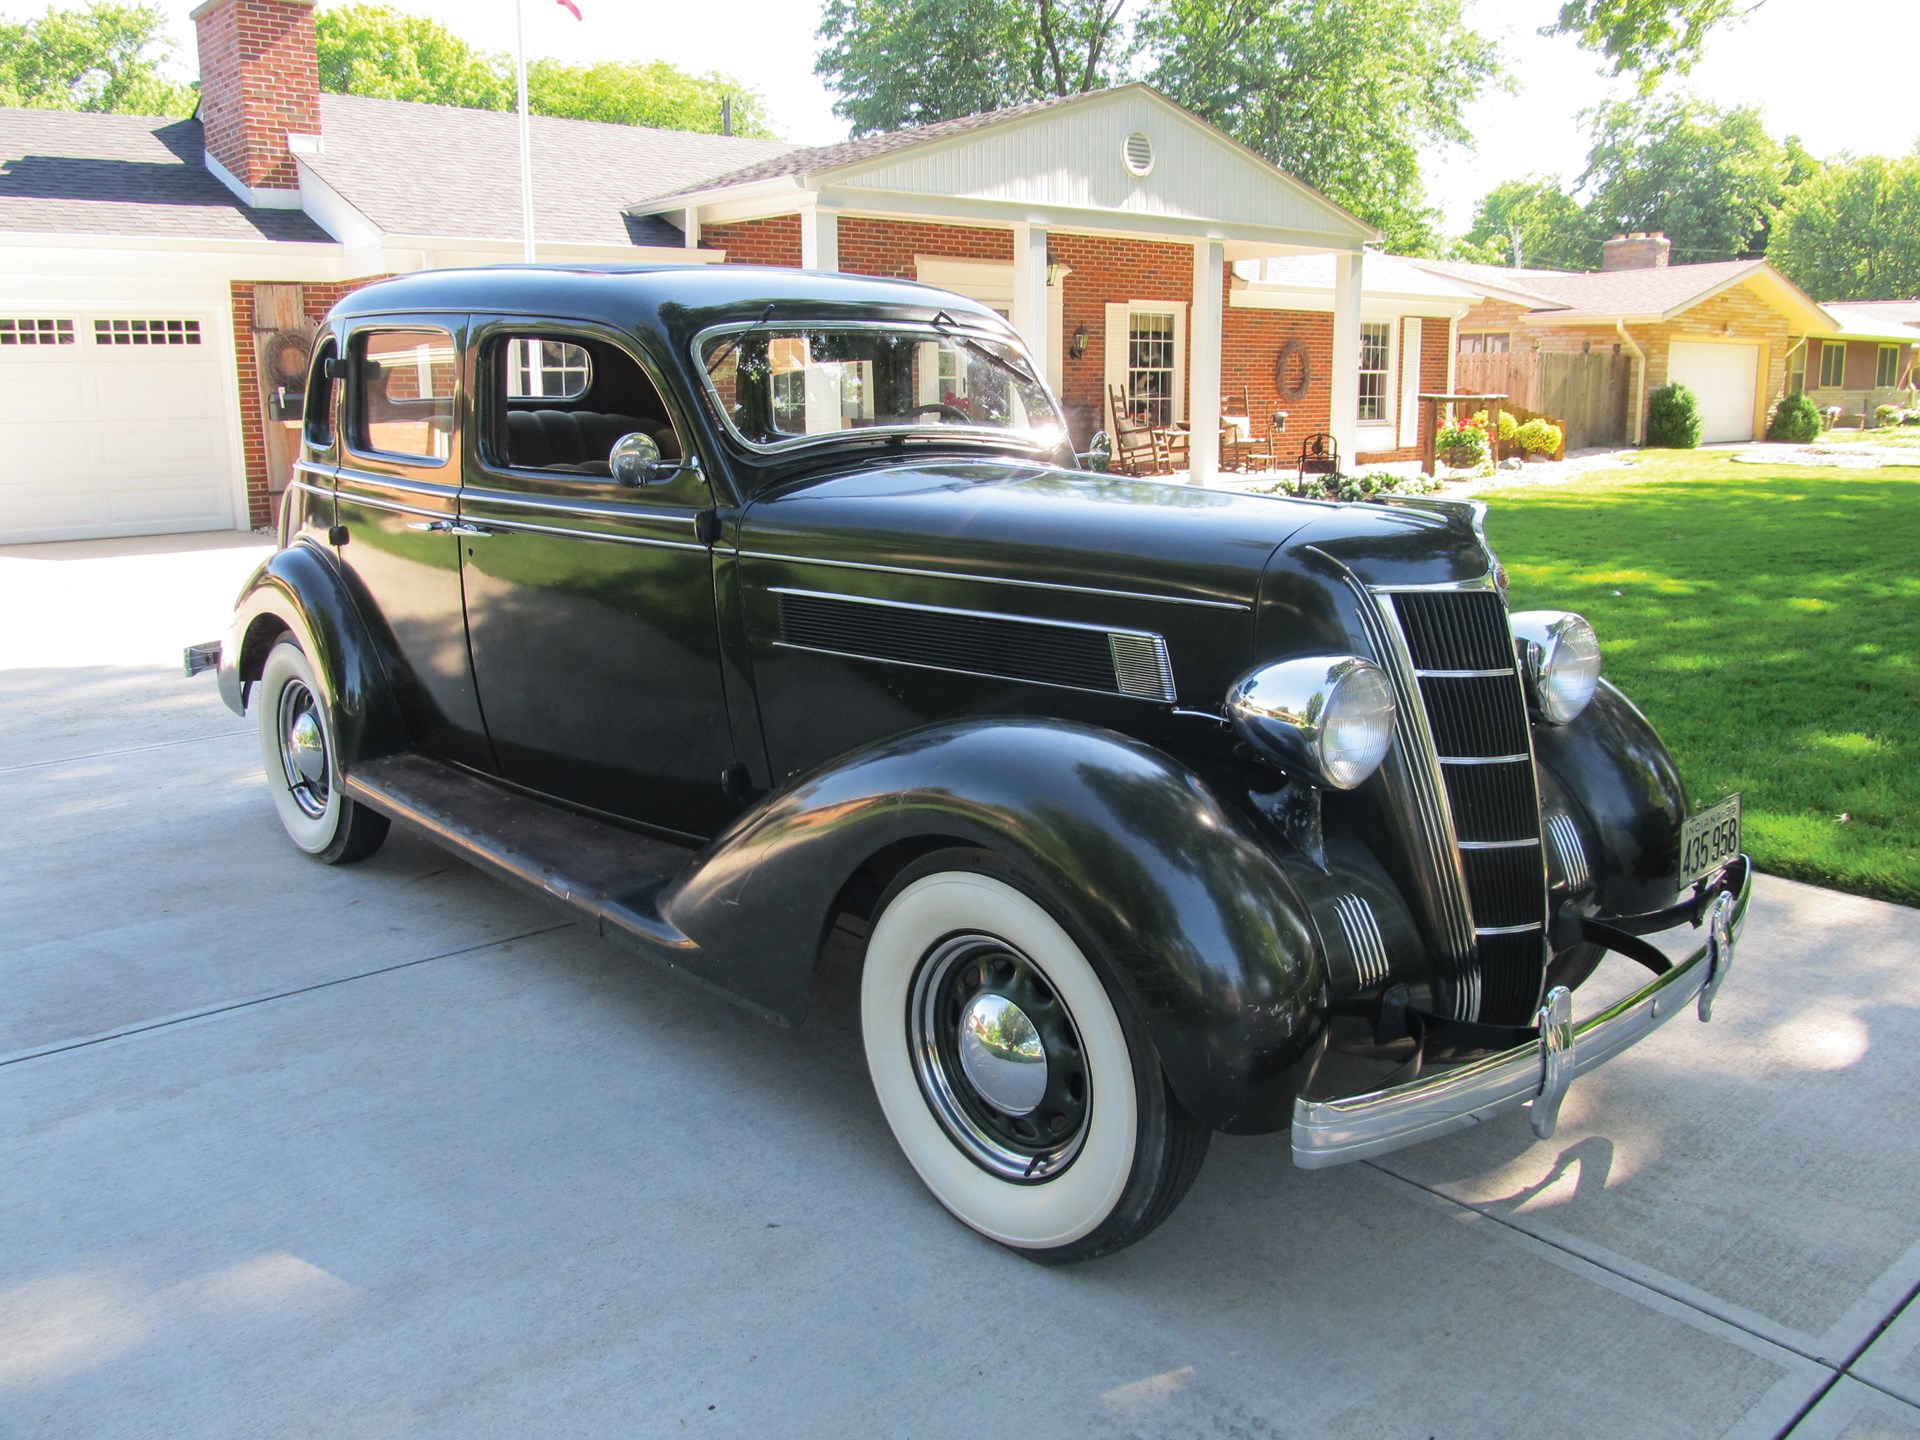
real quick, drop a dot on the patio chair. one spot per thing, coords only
(1137, 446)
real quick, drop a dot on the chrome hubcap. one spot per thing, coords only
(303, 749)
(998, 1058)
(1001, 1053)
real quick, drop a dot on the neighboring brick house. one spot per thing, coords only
(1738, 332)
(164, 276)
(1872, 358)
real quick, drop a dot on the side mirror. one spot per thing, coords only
(635, 460)
(1099, 451)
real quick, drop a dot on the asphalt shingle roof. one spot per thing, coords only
(68, 173)
(1603, 294)
(1886, 319)
(435, 170)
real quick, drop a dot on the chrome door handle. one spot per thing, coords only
(449, 527)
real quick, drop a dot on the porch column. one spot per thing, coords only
(819, 239)
(1207, 319)
(1343, 418)
(1030, 290)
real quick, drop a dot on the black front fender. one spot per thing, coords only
(1186, 906)
(298, 590)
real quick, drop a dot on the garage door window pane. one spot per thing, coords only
(35, 332)
(146, 332)
(405, 404)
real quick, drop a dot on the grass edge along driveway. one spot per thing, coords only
(1768, 623)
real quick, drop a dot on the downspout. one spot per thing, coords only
(1636, 409)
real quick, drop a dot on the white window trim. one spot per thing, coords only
(1841, 346)
(1409, 349)
(1114, 370)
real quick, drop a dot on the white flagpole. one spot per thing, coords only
(526, 131)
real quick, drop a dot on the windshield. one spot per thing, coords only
(778, 385)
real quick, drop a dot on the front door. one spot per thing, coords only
(590, 606)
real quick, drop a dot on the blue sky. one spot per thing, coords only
(1835, 72)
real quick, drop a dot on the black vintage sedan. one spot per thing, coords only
(723, 606)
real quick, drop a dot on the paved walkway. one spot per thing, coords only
(388, 1150)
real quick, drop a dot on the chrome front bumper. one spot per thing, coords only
(1333, 1132)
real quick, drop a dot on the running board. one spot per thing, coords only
(588, 867)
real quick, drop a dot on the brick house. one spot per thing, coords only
(1737, 332)
(164, 276)
(1871, 358)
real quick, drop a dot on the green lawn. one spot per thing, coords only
(1768, 622)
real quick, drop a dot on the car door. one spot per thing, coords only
(396, 494)
(590, 605)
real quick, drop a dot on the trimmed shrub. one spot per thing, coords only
(1795, 419)
(1673, 418)
(1538, 437)
(1358, 487)
(1508, 425)
(1888, 415)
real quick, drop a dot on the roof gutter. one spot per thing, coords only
(1636, 413)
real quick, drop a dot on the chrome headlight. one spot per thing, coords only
(1329, 717)
(1561, 659)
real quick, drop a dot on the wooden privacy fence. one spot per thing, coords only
(1588, 391)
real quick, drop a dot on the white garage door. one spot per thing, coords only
(1725, 378)
(112, 424)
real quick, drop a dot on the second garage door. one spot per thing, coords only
(1725, 378)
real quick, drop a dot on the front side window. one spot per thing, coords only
(404, 404)
(547, 370)
(1886, 373)
(559, 405)
(1833, 365)
(777, 386)
(1376, 348)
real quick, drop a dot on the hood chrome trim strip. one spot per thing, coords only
(995, 580)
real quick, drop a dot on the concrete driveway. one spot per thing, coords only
(389, 1150)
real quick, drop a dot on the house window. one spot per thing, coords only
(546, 370)
(404, 404)
(1376, 355)
(146, 332)
(1797, 371)
(1486, 342)
(1886, 371)
(36, 332)
(1833, 365)
(1153, 374)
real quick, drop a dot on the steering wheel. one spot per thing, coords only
(945, 409)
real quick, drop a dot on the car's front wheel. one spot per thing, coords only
(303, 772)
(1022, 1090)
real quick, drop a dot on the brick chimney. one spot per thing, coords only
(259, 83)
(1638, 251)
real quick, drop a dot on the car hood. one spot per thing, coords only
(1034, 524)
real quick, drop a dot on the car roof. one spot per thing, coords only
(680, 299)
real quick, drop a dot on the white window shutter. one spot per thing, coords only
(1410, 382)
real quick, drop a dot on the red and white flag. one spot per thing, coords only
(571, 8)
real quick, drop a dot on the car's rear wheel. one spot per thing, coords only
(1021, 1088)
(298, 754)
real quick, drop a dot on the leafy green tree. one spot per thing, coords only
(1341, 93)
(378, 51)
(1531, 222)
(1646, 38)
(105, 57)
(1709, 178)
(1852, 232)
(656, 93)
(896, 65)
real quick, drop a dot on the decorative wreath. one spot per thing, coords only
(284, 358)
(1292, 371)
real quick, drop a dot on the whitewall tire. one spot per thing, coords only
(298, 754)
(1026, 1100)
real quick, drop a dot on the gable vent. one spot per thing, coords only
(1139, 153)
(971, 642)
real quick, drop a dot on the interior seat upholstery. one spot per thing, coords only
(577, 440)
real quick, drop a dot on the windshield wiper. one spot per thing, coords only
(950, 327)
(738, 339)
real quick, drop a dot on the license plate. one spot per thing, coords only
(1710, 839)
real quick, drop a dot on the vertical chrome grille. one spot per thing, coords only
(1572, 854)
(1363, 939)
(1457, 645)
(1140, 665)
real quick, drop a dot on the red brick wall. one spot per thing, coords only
(315, 301)
(887, 247)
(775, 241)
(259, 79)
(1109, 271)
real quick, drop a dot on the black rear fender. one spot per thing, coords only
(299, 591)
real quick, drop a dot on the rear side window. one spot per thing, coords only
(321, 389)
(405, 393)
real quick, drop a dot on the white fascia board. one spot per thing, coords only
(1374, 305)
(432, 252)
(1119, 224)
(728, 203)
(1550, 318)
(333, 212)
(83, 254)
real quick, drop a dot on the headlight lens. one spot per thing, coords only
(1329, 717)
(1561, 658)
